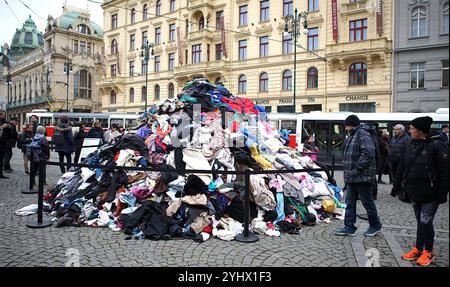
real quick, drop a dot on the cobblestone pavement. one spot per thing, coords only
(314, 246)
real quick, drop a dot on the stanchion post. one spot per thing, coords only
(30, 189)
(246, 236)
(333, 165)
(40, 222)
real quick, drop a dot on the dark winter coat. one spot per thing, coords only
(397, 147)
(423, 170)
(10, 136)
(24, 139)
(79, 138)
(360, 156)
(65, 141)
(151, 219)
(96, 133)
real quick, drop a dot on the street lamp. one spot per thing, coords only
(147, 53)
(292, 27)
(8, 82)
(68, 69)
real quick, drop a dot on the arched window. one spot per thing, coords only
(30, 89)
(419, 22)
(171, 91)
(131, 95)
(82, 85)
(201, 23)
(83, 29)
(133, 16)
(143, 93)
(287, 80)
(445, 14)
(313, 78)
(172, 5)
(114, 47)
(145, 12)
(357, 74)
(158, 8)
(157, 93)
(242, 89)
(113, 97)
(264, 82)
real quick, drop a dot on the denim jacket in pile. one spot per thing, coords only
(360, 156)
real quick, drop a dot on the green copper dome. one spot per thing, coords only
(69, 20)
(26, 39)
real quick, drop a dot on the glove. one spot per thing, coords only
(442, 197)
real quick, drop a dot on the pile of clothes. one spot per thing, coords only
(204, 128)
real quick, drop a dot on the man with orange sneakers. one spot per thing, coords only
(422, 176)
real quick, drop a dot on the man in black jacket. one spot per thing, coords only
(3, 126)
(10, 137)
(422, 175)
(25, 139)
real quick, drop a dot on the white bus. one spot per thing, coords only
(329, 132)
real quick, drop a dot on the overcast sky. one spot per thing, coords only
(43, 8)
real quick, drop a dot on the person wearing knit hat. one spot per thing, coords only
(359, 176)
(422, 179)
(41, 151)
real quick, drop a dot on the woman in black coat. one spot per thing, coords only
(78, 139)
(96, 132)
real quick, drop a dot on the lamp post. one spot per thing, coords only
(147, 53)
(292, 27)
(68, 68)
(8, 82)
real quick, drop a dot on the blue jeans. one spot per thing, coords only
(363, 191)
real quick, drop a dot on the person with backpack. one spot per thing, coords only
(3, 126)
(10, 140)
(64, 144)
(78, 138)
(38, 150)
(422, 179)
(359, 176)
(25, 139)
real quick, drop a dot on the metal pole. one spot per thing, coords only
(333, 166)
(246, 236)
(146, 80)
(30, 189)
(67, 86)
(295, 59)
(40, 222)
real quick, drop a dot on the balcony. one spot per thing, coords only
(355, 7)
(194, 4)
(28, 102)
(204, 69)
(378, 44)
(204, 34)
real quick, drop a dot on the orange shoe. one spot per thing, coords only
(414, 254)
(426, 258)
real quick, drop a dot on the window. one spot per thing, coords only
(75, 46)
(445, 19)
(82, 85)
(28, 38)
(242, 50)
(114, 47)
(287, 44)
(358, 108)
(313, 5)
(287, 8)
(144, 66)
(131, 68)
(243, 15)
(144, 38)
(171, 91)
(171, 61)
(417, 75)
(143, 93)
(113, 97)
(419, 22)
(114, 21)
(157, 93)
(157, 64)
(287, 81)
(201, 23)
(89, 48)
(132, 42)
(242, 89)
(171, 32)
(158, 36)
(358, 74)
(313, 78)
(131, 95)
(113, 70)
(133, 16)
(264, 46)
(172, 5)
(313, 39)
(264, 6)
(219, 52)
(83, 47)
(264, 82)
(196, 54)
(219, 16)
(358, 30)
(83, 29)
(444, 73)
(145, 12)
(158, 8)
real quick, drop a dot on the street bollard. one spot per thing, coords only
(40, 222)
(246, 236)
(30, 189)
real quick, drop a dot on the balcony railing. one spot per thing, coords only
(197, 35)
(371, 44)
(29, 102)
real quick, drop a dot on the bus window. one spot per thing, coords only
(104, 123)
(129, 123)
(89, 122)
(45, 121)
(74, 121)
(290, 125)
(118, 122)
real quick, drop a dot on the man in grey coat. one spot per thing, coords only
(359, 176)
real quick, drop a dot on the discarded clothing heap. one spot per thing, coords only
(227, 134)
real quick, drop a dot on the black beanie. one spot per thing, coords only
(352, 121)
(422, 124)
